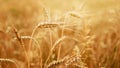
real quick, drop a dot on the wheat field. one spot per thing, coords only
(59, 34)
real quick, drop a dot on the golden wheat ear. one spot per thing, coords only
(49, 25)
(57, 62)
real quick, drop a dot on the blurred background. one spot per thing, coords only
(93, 23)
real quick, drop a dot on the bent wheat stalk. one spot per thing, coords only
(22, 43)
(28, 37)
(55, 44)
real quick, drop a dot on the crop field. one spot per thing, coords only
(59, 33)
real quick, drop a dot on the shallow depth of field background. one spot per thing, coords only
(59, 33)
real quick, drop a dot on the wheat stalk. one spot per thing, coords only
(22, 43)
(28, 37)
(55, 44)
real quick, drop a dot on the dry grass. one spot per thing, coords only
(77, 35)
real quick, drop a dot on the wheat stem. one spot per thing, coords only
(22, 43)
